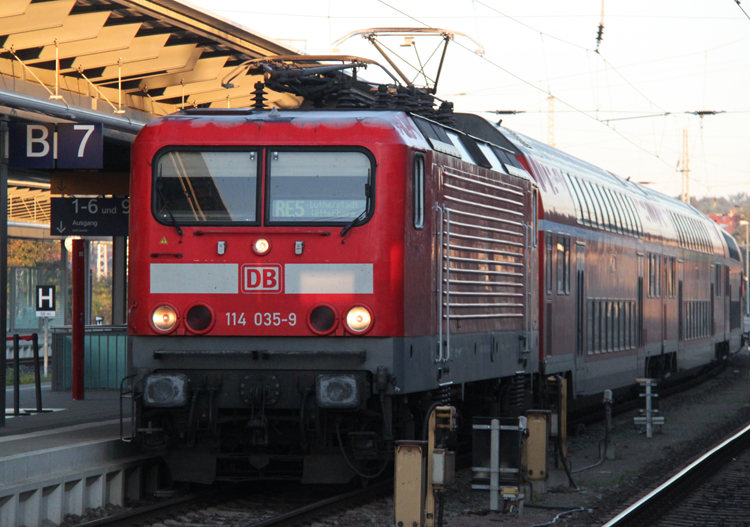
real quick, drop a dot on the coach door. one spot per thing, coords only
(580, 317)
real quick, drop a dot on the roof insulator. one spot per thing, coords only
(383, 98)
(259, 96)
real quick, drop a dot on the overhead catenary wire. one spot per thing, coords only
(743, 9)
(566, 104)
(524, 81)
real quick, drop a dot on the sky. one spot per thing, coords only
(624, 108)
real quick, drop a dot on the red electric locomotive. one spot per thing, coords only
(304, 284)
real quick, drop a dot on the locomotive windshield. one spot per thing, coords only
(194, 186)
(317, 187)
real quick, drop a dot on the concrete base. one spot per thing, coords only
(48, 484)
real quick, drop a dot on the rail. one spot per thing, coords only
(659, 501)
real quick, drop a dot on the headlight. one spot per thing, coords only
(164, 318)
(337, 391)
(261, 246)
(165, 390)
(358, 319)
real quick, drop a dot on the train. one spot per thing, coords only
(305, 284)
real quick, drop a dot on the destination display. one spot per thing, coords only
(318, 209)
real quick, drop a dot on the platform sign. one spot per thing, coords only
(31, 145)
(89, 216)
(45, 301)
(73, 145)
(80, 145)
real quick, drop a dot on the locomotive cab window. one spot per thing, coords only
(318, 187)
(199, 187)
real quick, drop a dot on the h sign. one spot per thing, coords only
(45, 301)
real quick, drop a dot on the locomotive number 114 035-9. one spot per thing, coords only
(262, 319)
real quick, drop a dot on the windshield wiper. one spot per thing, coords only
(351, 223)
(159, 185)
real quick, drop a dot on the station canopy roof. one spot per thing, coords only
(128, 60)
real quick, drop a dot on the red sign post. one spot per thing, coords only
(79, 314)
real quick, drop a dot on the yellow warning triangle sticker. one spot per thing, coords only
(164, 241)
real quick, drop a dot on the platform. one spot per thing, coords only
(67, 460)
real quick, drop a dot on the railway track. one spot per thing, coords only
(234, 507)
(277, 505)
(710, 491)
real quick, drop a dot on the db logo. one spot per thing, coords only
(261, 279)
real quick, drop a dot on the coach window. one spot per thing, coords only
(591, 317)
(594, 212)
(671, 274)
(625, 213)
(576, 199)
(717, 291)
(706, 238)
(727, 289)
(604, 205)
(701, 240)
(693, 235)
(654, 275)
(193, 186)
(636, 217)
(611, 210)
(548, 263)
(418, 191)
(678, 228)
(318, 187)
(587, 213)
(563, 264)
(682, 230)
(607, 209)
(618, 223)
(598, 221)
